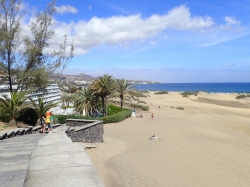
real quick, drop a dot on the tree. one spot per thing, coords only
(104, 86)
(29, 57)
(84, 101)
(12, 106)
(41, 106)
(124, 89)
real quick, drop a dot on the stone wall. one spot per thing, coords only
(86, 131)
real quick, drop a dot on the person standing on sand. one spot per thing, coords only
(159, 107)
(152, 116)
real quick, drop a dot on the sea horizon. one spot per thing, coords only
(219, 87)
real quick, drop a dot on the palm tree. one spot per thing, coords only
(83, 101)
(41, 106)
(104, 86)
(12, 106)
(124, 89)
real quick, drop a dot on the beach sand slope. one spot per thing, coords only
(205, 145)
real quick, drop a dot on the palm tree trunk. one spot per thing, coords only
(103, 105)
(121, 102)
(13, 123)
(106, 106)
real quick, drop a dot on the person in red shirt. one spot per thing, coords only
(152, 116)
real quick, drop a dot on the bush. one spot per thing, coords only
(28, 116)
(61, 119)
(186, 94)
(112, 109)
(4, 117)
(179, 108)
(242, 96)
(146, 108)
(141, 102)
(120, 116)
(139, 94)
(161, 92)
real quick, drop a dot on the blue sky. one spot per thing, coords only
(165, 41)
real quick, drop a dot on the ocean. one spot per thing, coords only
(206, 87)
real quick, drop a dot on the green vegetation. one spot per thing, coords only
(140, 94)
(104, 86)
(12, 107)
(179, 108)
(116, 116)
(28, 116)
(62, 118)
(124, 90)
(30, 64)
(114, 109)
(146, 108)
(161, 92)
(136, 106)
(120, 116)
(186, 94)
(242, 96)
(141, 102)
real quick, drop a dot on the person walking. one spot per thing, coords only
(152, 116)
(42, 124)
(51, 122)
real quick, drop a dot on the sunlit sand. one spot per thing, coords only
(205, 145)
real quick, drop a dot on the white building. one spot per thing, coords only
(50, 93)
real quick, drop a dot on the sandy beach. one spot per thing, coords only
(205, 145)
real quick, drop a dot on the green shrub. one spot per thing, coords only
(141, 102)
(242, 96)
(186, 94)
(161, 92)
(179, 108)
(61, 119)
(28, 116)
(4, 117)
(139, 94)
(120, 116)
(146, 108)
(112, 109)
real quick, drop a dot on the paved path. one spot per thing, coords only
(14, 159)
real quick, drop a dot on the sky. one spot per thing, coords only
(157, 40)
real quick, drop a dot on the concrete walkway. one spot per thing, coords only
(15, 157)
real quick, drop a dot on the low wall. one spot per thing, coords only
(58, 162)
(86, 131)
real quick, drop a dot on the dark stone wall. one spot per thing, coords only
(76, 123)
(85, 131)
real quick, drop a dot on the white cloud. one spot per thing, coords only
(229, 65)
(231, 21)
(122, 30)
(66, 9)
(153, 42)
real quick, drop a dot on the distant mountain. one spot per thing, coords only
(78, 77)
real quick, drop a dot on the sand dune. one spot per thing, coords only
(205, 145)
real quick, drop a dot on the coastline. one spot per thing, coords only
(206, 144)
(243, 87)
